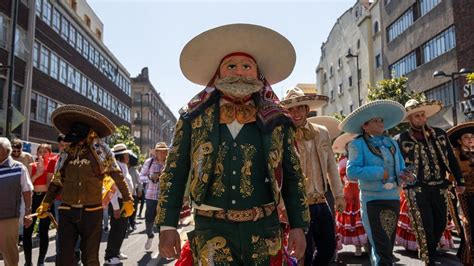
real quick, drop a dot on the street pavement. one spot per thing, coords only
(133, 247)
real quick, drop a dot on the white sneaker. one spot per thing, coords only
(113, 261)
(122, 256)
(148, 243)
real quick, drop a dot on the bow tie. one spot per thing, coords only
(303, 133)
(243, 113)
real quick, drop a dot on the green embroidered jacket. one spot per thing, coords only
(231, 173)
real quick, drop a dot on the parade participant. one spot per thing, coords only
(19, 155)
(349, 222)
(78, 179)
(462, 139)
(319, 167)
(118, 223)
(150, 174)
(376, 162)
(427, 150)
(15, 186)
(40, 179)
(236, 144)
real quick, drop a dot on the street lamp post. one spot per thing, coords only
(350, 55)
(462, 72)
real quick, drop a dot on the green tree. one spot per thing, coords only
(394, 89)
(470, 78)
(123, 134)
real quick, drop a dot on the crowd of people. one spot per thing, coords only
(262, 179)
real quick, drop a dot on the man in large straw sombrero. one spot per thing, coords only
(319, 166)
(235, 142)
(428, 151)
(462, 139)
(78, 178)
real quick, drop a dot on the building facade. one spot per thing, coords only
(351, 58)
(61, 59)
(152, 120)
(424, 36)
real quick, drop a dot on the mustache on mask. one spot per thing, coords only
(238, 87)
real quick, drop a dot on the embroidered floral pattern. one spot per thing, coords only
(167, 176)
(388, 219)
(417, 223)
(248, 152)
(262, 248)
(218, 187)
(213, 251)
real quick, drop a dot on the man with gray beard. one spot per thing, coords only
(235, 143)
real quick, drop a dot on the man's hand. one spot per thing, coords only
(340, 204)
(27, 220)
(42, 210)
(296, 243)
(127, 208)
(117, 214)
(460, 189)
(170, 244)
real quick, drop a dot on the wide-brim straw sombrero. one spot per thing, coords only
(339, 145)
(329, 122)
(456, 132)
(429, 107)
(295, 97)
(275, 55)
(63, 117)
(390, 111)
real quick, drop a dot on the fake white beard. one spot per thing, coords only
(238, 87)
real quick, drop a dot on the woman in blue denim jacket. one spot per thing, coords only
(376, 162)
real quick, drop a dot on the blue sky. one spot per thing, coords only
(152, 33)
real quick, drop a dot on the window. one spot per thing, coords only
(62, 72)
(78, 82)
(400, 25)
(350, 81)
(358, 43)
(427, 5)
(85, 49)
(39, 4)
(340, 90)
(64, 28)
(378, 61)
(100, 95)
(439, 45)
(84, 86)
(91, 54)
(16, 96)
(351, 107)
(87, 20)
(376, 26)
(93, 93)
(44, 62)
(56, 21)
(42, 109)
(46, 14)
(54, 68)
(98, 33)
(404, 66)
(89, 89)
(36, 54)
(339, 63)
(79, 43)
(33, 106)
(51, 107)
(96, 59)
(442, 93)
(331, 73)
(20, 43)
(4, 22)
(72, 36)
(71, 77)
(74, 5)
(331, 94)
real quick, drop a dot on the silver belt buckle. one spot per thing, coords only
(388, 186)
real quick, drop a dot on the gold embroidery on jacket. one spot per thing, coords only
(166, 177)
(248, 152)
(218, 187)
